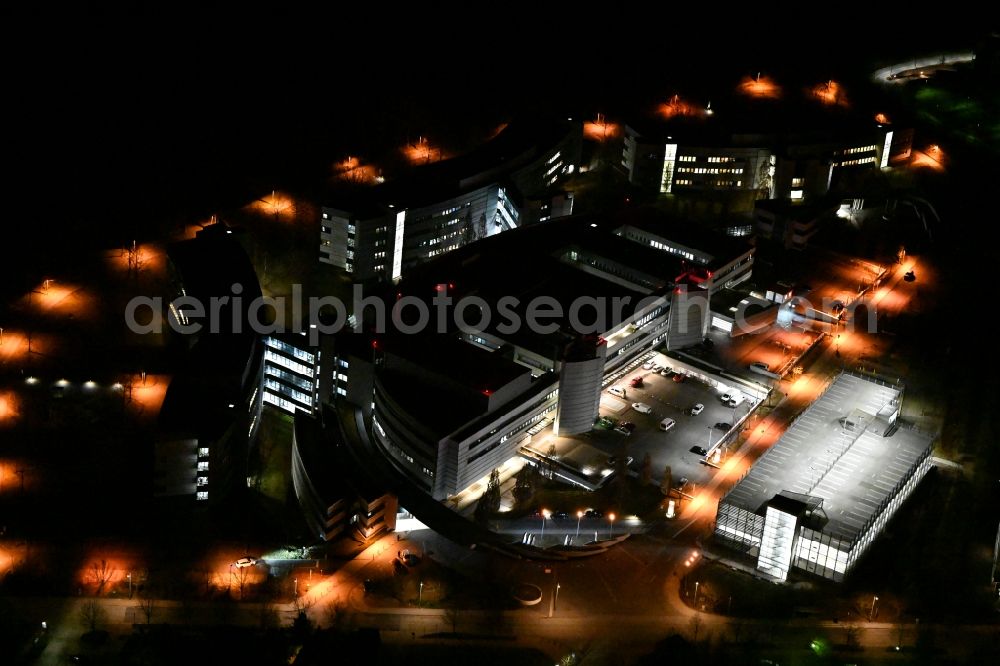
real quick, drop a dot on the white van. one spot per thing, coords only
(667, 424)
(617, 390)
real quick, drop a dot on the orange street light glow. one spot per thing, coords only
(600, 130)
(761, 87)
(277, 205)
(882, 119)
(422, 152)
(931, 158)
(8, 408)
(677, 107)
(351, 170)
(830, 93)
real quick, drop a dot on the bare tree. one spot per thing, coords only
(337, 615)
(852, 635)
(668, 479)
(146, 606)
(100, 573)
(695, 624)
(451, 617)
(92, 614)
(646, 470)
(241, 577)
(489, 501)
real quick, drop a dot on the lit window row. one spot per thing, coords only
(686, 158)
(860, 149)
(721, 159)
(294, 366)
(709, 170)
(860, 160)
(672, 250)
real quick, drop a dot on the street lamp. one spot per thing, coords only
(611, 525)
(696, 583)
(420, 593)
(129, 584)
(295, 589)
(579, 517)
(545, 514)
(871, 615)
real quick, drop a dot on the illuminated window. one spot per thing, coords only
(202, 495)
(203, 452)
(797, 182)
(795, 195)
(202, 480)
(203, 467)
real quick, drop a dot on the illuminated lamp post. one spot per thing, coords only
(545, 514)
(579, 517)
(611, 525)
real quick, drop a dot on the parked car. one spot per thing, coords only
(667, 424)
(909, 276)
(726, 397)
(617, 390)
(642, 407)
(759, 365)
(245, 562)
(700, 450)
(657, 367)
(605, 422)
(681, 483)
(625, 427)
(679, 377)
(722, 425)
(666, 372)
(697, 409)
(648, 365)
(636, 382)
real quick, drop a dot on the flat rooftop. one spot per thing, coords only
(854, 472)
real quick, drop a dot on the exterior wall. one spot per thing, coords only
(467, 456)
(777, 544)
(736, 271)
(175, 470)
(579, 394)
(739, 527)
(689, 317)
(889, 507)
(822, 554)
(404, 438)
(348, 514)
(723, 169)
(327, 520)
(291, 373)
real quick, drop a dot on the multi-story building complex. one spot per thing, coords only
(515, 178)
(448, 408)
(211, 411)
(819, 497)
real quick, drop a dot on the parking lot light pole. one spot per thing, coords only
(579, 517)
(611, 525)
(545, 514)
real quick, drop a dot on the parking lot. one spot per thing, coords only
(667, 398)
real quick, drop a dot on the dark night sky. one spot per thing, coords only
(106, 130)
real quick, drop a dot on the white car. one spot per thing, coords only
(617, 390)
(648, 365)
(667, 424)
(697, 409)
(642, 407)
(244, 562)
(758, 365)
